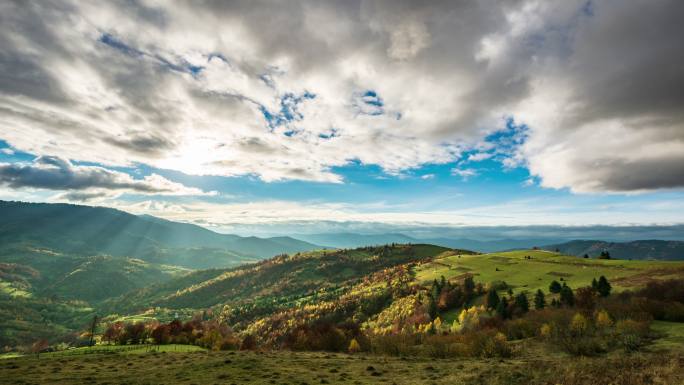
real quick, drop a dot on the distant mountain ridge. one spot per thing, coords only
(86, 230)
(353, 240)
(643, 249)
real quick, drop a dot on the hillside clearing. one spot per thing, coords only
(543, 267)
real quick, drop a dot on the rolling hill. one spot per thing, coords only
(85, 230)
(645, 249)
(353, 240)
(368, 284)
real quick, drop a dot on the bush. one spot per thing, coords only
(402, 344)
(519, 329)
(631, 335)
(487, 344)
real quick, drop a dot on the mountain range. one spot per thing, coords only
(87, 231)
(352, 240)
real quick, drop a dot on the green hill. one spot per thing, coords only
(644, 249)
(280, 282)
(85, 230)
(544, 266)
(370, 285)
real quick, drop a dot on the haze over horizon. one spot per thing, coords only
(384, 116)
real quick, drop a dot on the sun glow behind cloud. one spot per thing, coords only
(482, 98)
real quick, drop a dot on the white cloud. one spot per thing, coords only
(480, 156)
(143, 82)
(254, 215)
(465, 173)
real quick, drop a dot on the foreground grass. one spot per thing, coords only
(545, 266)
(672, 335)
(315, 368)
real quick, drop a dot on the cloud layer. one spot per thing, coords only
(85, 182)
(290, 90)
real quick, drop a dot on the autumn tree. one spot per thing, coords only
(585, 298)
(40, 346)
(354, 346)
(113, 332)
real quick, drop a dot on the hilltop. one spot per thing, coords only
(644, 249)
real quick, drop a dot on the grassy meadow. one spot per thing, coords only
(544, 266)
(204, 367)
(297, 310)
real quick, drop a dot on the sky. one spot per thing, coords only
(309, 116)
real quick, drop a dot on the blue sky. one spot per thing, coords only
(371, 113)
(495, 196)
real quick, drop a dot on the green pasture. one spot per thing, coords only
(544, 267)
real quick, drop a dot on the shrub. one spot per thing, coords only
(487, 344)
(402, 344)
(519, 329)
(631, 335)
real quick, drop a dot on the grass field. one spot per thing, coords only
(331, 368)
(673, 335)
(544, 267)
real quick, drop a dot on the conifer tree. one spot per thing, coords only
(502, 308)
(492, 299)
(539, 300)
(567, 297)
(603, 287)
(432, 307)
(555, 287)
(522, 303)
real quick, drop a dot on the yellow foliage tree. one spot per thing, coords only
(603, 319)
(354, 346)
(437, 323)
(545, 330)
(579, 324)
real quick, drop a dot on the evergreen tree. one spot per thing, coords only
(603, 287)
(468, 288)
(435, 290)
(539, 300)
(432, 307)
(567, 297)
(522, 303)
(555, 287)
(594, 284)
(604, 255)
(442, 283)
(586, 256)
(502, 308)
(492, 299)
